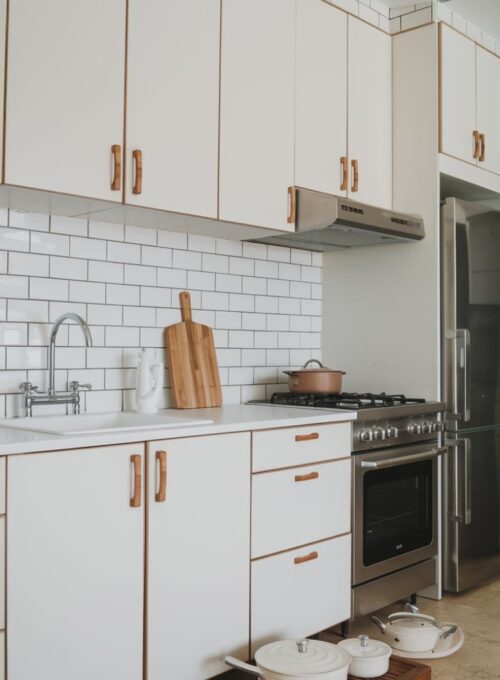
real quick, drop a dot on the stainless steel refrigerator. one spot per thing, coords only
(470, 284)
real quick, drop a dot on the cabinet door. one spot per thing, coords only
(257, 112)
(198, 555)
(458, 94)
(75, 566)
(65, 95)
(301, 592)
(321, 97)
(370, 114)
(488, 107)
(173, 104)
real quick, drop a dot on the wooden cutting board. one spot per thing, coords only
(192, 361)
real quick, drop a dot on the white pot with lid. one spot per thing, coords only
(292, 660)
(370, 658)
(413, 632)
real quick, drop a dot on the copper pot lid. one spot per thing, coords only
(319, 369)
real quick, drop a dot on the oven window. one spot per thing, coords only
(398, 510)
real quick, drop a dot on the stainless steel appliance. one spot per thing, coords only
(395, 492)
(470, 234)
(327, 222)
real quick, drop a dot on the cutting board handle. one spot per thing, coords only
(185, 300)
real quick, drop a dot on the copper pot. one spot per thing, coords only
(318, 380)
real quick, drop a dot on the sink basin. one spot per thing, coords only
(102, 422)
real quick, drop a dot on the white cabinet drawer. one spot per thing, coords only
(301, 592)
(274, 449)
(300, 505)
(2, 656)
(2, 583)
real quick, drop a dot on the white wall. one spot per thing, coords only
(264, 303)
(381, 305)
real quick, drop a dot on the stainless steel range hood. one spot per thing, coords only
(326, 222)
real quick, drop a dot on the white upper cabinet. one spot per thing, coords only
(458, 95)
(173, 105)
(75, 560)
(321, 98)
(198, 555)
(257, 112)
(65, 94)
(370, 114)
(488, 108)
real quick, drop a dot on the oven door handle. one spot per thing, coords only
(401, 460)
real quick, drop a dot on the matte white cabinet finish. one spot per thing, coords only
(65, 95)
(289, 446)
(198, 555)
(370, 113)
(458, 94)
(257, 112)
(321, 97)
(75, 563)
(292, 598)
(300, 505)
(488, 107)
(173, 104)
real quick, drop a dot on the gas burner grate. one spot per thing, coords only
(343, 400)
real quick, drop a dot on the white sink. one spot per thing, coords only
(102, 422)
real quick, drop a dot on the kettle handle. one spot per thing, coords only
(242, 666)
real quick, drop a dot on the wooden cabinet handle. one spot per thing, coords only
(355, 175)
(477, 144)
(306, 558)
(135, 501)
(137, 156)
(292, 201)
(345, 173)
(116, 182)
(161, 460)
(306, 437)
(482, 146)
(307, 478)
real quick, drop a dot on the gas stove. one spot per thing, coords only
(383, 420)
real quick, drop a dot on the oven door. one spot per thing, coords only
(395, 509)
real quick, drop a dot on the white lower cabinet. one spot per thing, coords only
(300, 505)
(301, 592)
(75, 565)
(198, 555)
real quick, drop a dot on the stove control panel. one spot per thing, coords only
(395, 431)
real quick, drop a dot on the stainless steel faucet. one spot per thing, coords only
(72, 395)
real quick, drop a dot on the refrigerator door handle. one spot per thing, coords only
(462, 480)
(463, 370)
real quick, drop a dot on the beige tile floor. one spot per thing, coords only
(477, 612)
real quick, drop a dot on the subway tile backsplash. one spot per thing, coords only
(264, 303)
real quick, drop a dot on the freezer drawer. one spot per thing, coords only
(472, 508)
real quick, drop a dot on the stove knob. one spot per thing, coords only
(414, 428)
(379, 433)
(438, 427)
(392, 432)
(366, 436)
(427, 428)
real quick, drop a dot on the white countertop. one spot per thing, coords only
(231, 418)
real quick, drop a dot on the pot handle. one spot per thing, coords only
(379, 624)
(313, 361)
(448, 629)
(242, 666)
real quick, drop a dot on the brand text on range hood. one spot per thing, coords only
(326, 222)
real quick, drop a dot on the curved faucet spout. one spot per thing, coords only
(69, 316)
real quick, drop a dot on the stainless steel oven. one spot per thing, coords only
(395, 523)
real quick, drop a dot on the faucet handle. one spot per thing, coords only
(75, 386)
(28, 388)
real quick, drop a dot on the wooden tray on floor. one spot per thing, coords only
(403, 669)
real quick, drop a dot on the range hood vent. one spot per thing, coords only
(325, 222)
